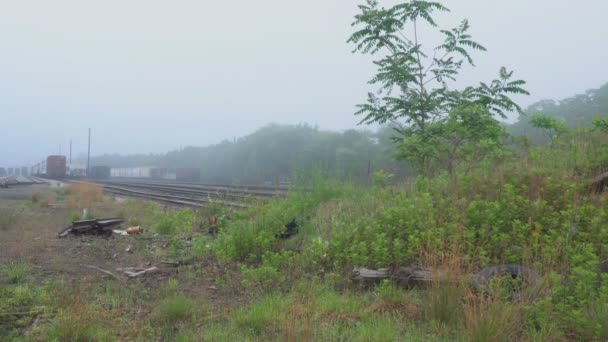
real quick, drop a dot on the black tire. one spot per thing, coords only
(529, 278)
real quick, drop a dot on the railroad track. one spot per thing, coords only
(193, 195)
(18, 180)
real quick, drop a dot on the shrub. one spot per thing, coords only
(175, 309)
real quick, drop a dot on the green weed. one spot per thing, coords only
(15, 271)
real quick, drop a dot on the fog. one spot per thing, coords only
(149, 76)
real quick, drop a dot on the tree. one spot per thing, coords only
(414, 86)
(550, 126)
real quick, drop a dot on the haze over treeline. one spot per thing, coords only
(151, 76)
(275, 152)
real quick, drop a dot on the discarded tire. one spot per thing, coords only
(529, 280)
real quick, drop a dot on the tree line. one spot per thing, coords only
(275, 152)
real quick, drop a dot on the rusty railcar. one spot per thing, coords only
(56, 167)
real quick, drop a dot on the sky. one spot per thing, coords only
(152, 75)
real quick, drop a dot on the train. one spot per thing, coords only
(56, 167)
(180, 174)
(100, 172)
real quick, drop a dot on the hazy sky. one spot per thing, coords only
(151, 75)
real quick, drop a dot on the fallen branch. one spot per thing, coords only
(136, 272)
(29, 330)
(103, 271)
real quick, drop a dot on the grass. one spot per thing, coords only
(15, 271)
(175, 309)
(7, 218)
(248, 285)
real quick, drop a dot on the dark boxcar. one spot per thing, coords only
(55, 167)
(158, 173)
(188, 174)
(100, 172)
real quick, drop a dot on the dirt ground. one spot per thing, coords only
(28, 234)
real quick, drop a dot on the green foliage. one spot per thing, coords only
(575, 112)
(172, 222)
(381, 179)
(467, 135)
(249, 237)
(600, 124)
(415, 90)
(552, 127)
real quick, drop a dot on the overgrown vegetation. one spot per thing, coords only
(481, 198)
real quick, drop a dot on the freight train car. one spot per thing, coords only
(56, 167)
(188, 174)
(158, 173)
(100, 172)
(2, 172)
(162, 173)
(131, 172)
(24, 171)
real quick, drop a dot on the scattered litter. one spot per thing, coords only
(91, 227)
(134, 230)
(129, 249)
(120, 232)
(291, 229)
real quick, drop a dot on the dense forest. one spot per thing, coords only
(273, 153)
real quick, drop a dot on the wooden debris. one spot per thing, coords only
(405, 276)
(134, 272)
(103, 271)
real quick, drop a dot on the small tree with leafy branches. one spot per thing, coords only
(551, 127)
(415, 93)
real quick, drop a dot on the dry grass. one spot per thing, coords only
(490, 319)
(83, 195)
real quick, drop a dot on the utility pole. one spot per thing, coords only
(89, 155)
(70, 164)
